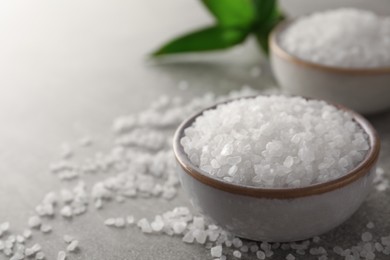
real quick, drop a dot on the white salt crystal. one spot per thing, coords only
(260, 255)
(237, 242)
(4, 227)
(290, 257)
(179, 227)
(73, 246)
(338, 250)
(237, 254)
(40, 256)
(68, 238)
(34, 222)
(188, 237)
(46, 228)
(61, 255)
(288, 162)
(130, 220)
(238, 142)
(66, 211)
(216, 251)
(120, 222)
(316, 239)
(345, 37)
(158, 224)
(370, 225)
(200, 236)
(366, 237)
(66, 195)
(110, 222)
(144, 225)
(198, 222)
(323, 257)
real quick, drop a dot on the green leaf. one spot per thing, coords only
(232, 13)
(208, 39)
(265, 10)
(268, 15)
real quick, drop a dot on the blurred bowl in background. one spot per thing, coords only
(366, 90)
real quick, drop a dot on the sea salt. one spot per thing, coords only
(216, 251)
(275, 141)
(73, 246)
(61, 255)
(34, 222)
(345, 37)
(130, 171)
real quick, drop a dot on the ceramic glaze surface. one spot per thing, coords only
(365, 93)
(277, 220)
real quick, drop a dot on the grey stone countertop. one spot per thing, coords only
(69, 68)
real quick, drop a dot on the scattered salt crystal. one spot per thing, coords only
(237, 254)
(4, 227)
(66, 151)
(130, 220)
(200, 236)
(68, 238)
(260, 255)
(366, 237)
(66, 211)
(34, 222)
(216, 251)
(73, 246)
(198, 222)
(46, 228)
(110, 222)
(144, 225)
(370, 225)
(61, 255)
(254, 248)
(40, 256)
(158, 224)
(316, 239)
(188, 237)
(323, 257)
(290, 257)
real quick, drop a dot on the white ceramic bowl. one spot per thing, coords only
(278, 215)
(366, 91)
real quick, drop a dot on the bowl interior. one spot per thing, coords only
(282, 53)
(360, 170)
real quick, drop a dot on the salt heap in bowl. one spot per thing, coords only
(346, 37)
(275, 142)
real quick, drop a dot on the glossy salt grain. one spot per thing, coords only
(275, 141)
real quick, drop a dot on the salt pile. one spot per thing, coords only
(275, 141)
(140, 170)
(346, 37)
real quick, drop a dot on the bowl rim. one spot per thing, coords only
(359, 171)
(276, 49)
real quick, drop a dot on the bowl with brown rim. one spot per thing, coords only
(366, 90)
(277, 214)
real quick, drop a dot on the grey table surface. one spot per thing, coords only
(68, 68)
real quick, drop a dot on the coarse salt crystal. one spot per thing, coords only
(216, 251)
